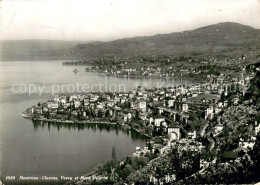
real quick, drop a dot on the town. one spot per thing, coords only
(189, 128)
(161, 66)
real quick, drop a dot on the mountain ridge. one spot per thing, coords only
(225, 38)
(217, 37)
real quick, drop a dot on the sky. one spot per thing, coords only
(104, 20)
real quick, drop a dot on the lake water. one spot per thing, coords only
(37, 149)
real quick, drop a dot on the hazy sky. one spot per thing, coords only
(112, 19)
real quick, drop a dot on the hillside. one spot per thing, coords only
(218, 39)
(222, 39)
(33, 49)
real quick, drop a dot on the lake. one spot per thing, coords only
(37, 149)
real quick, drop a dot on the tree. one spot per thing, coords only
(128, 160)
(127, 171)
(114, 157)
(166, 103)
(156, 151)
(100, 114)
(78, 115)
(138, 178)
(222, 97)
(73, 107)
(137, 114)
(107, 113)
(150, 146)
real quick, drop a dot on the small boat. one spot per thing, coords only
(76, 70)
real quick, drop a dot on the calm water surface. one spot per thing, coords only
(36, 149)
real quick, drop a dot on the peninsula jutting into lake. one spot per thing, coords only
(197, 126)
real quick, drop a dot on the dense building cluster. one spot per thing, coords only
(193, 121)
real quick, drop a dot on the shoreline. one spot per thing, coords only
(103, 73)
(195, 80)
(87, 122)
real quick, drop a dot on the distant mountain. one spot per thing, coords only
(33, 49)
(218, 39)
(222, 39)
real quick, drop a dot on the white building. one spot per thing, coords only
(142, 104)
(185, 107)
(157, 121)
(54, 105)
(209, 112)
(77, 104)
(218, 128)
(100, 106)
(236, 100)
(171, 102)
(248, 145)
(220, 104)
(110, 103)
(192, 135)
(257, 128)
(174, 133)
(217, 110)
(127, 117)
(63, 101)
